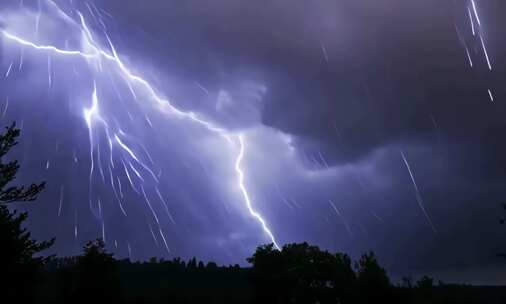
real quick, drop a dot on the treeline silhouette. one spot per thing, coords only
(299, 273)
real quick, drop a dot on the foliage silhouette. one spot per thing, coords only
(9, 170)
(299, 273)
(97, 275)
(18, 262)
(373, 281)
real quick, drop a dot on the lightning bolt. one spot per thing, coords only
(245, 194)
(418, 194)
(476, 12)
(96, 53)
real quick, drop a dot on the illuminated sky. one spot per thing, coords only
(206, 128)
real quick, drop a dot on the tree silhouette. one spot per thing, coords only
(267, 274)
(97, 276)
(9, 170)
(18, 263)
(301, 273)
(373, 282)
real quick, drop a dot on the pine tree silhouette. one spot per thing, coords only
(18, 263)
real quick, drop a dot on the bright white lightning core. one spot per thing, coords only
(245, 194)
(93, 51)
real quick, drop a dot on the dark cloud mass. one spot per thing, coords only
(329, 96)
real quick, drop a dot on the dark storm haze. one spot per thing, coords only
(205, 128)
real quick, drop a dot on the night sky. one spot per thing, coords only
(205, 128)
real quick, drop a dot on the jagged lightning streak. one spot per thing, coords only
(417, 193)
(97, 53)
(471, 21)
(490, 95)
(101, 54)
(341, 217)
(476, 12)
(8, 71)
(51, 48)
(469, 57)
(485, 53)
(245, 194)
(477, 17)
(89, 115)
